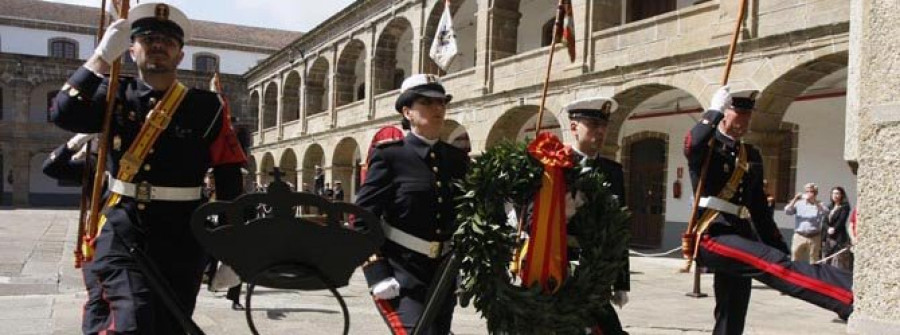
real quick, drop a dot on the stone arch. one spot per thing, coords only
(776, 139)
(265, 168)
(270, 106)
(465, 26)
(317, 87)
(345, 166)
(647, 98)
(288, 165)
(253, 108)
(517, 124)
(456, 135)
(290, 98)
(350, 73)
(393, 59)
(312, 157)
(777, 96)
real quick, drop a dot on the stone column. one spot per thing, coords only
(302, 100)
(877, 310)
(482, 47)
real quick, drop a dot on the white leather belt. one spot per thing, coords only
(152, 193)
(724, 206)
(428, 248)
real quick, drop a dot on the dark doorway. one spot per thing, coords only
(646, 192)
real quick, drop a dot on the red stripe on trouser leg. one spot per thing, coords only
(596, 331)
(390, 315)
(793, 277)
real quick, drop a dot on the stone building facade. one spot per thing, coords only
(873, 133)
(321, 99)
(41, 45)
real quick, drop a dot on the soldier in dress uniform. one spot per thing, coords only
(742, 240)
(409, 185)
(149, 201)
(67, 163)
(588, 123)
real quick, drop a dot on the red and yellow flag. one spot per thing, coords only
(568, 28)
(546, 260)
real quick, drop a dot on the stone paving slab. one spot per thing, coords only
(45, 297)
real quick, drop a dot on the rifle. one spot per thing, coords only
(89, 230)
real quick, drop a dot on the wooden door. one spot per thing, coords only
(646, 192)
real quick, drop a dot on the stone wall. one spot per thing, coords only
(877, 274)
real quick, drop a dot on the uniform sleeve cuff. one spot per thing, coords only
(85, 81)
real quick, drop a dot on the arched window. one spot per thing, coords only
(63, 48)
(206, 63)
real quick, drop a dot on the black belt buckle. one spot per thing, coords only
(143, 192)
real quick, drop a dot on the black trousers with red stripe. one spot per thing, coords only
(402, 312)
(736, 260)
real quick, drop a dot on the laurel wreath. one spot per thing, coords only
(485, 243)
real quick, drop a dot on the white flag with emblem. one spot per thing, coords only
(443, 48)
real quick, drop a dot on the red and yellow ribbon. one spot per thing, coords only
(545, 258)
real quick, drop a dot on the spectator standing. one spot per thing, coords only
(837, 236)
(808, 215)
(338, 191)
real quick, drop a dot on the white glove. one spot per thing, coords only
(386, 289)
(830, 230)
(115, 41)
(77, 141)
(721, 99)
(620, 298)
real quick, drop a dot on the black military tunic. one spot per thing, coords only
(739, 249)
(609, 322)
(410, 185)
(198, 137)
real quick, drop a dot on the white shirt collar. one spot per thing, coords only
(427, 141)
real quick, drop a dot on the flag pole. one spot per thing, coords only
(557, 31)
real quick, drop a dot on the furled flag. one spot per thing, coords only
(443, 48)
(568, 31)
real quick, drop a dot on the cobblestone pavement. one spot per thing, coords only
(41, 293)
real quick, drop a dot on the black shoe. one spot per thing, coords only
(237, 306)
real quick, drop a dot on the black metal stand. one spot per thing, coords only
(282, 273)
(696, 292)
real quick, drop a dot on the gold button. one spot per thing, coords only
(438, 183)
(146, 167)
(435, 169)
(141, 206)
(432, 155)
(151, 150)
(438, 216)
(437, 231)
(440, 200)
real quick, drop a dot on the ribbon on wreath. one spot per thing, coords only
(545, 260)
